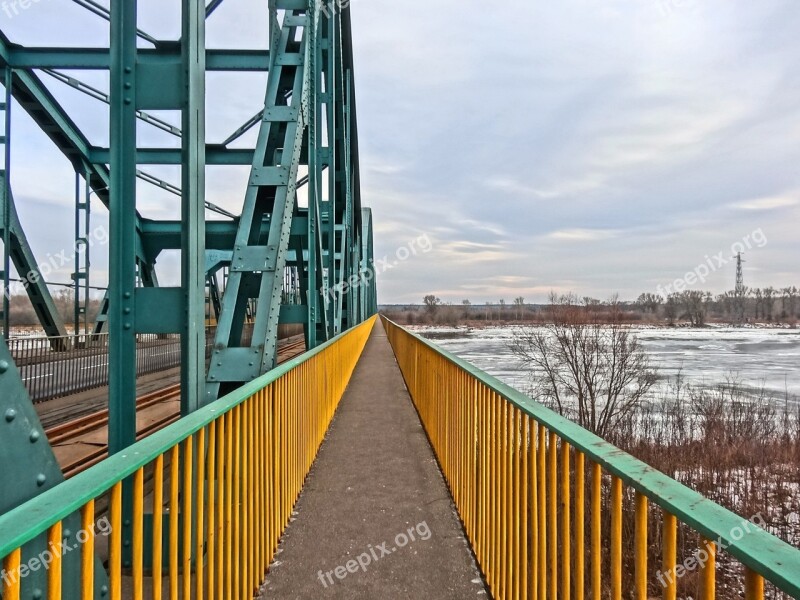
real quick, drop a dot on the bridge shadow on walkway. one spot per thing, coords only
(375, 519)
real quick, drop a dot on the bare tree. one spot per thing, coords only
(593, 372)
(695, 304)
(519, 304)
(432, 304)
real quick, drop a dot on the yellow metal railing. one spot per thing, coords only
(244, 457)
(554, 512)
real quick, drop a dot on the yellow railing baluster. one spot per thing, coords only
(174, 512)
(87, 551)
(222, 502)
(566, 531)
(524, 508)
(199, 545)
(186, 516)
(580, 515)
(669, 556)
(597, 524)
(55, 542)
(115, 546)
(552, 510)
(542, 503)
(211, 525)
(535, 508)
(616, 538)
(708, 571)
(640, 547)
(12, 583)
(246, 493)
(158, 527)
(237, 498)
(138, 535)
(753, 585)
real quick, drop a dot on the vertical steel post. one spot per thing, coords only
(122, 252)
(122, 220)
(6, 139)
(193, 276)
(76, 300)
(331, 96)
(313, 182)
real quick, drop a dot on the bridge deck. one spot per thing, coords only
(375, 484)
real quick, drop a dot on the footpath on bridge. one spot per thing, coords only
(375, 519)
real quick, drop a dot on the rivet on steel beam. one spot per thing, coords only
(67, 533)
(126, 295)
(4, 366)
(37, 594)
(34, 437)
(104, 590)
(127, 326)
(41, 478)
(11, 414)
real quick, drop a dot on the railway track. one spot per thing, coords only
(73, 430)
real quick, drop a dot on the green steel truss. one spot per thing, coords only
(282, 259)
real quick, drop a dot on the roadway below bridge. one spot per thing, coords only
(375, 518)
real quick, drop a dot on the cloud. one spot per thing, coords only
(769, 203)
(582, 235)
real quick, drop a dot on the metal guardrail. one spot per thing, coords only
(518, 472)
(54, 367)
(245, 456)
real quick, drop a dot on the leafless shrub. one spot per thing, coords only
(586, 364)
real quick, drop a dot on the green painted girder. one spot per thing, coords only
(215, 155)
(93, 59)
(30, 468)
(258, 262)
(25, 263)
(158, 236)
(317, 308)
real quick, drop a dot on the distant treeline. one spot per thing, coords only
(695, 308)
(21, 311)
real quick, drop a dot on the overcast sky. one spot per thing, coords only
(595, 147)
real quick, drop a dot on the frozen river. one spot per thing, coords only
(768, 357)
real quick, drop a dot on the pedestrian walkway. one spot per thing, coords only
(375, 519)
